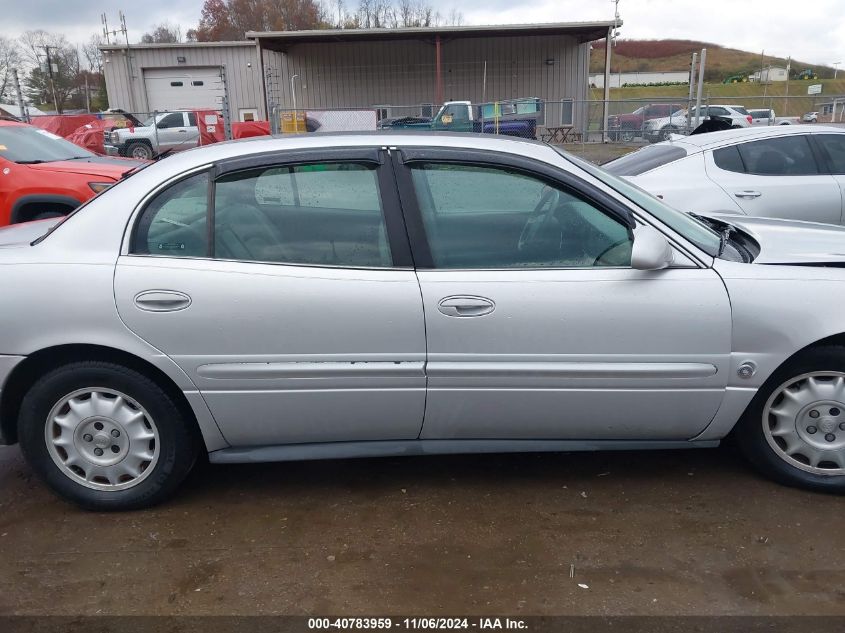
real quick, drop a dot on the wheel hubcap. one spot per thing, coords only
(102, 439)
(804, 422)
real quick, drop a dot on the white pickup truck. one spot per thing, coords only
(167, 131)
(766, 116)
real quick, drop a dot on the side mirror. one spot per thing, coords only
(651, 251)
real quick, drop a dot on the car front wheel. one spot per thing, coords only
(106, 437)
(794, 429)
(667, 132)
(139, 151)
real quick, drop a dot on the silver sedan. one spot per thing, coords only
(361, 295)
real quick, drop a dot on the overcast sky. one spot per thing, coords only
(812, 31)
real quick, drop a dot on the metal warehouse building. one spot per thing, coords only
(155, 77)
(399, 71)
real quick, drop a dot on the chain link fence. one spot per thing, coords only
(583, 127)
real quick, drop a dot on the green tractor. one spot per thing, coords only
(807, 73)
(735, 79)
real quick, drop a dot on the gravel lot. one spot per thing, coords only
(689, 532)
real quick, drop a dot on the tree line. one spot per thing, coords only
(230, 19)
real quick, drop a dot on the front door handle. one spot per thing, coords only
(748, 194)
(465, 306)
(162, 300)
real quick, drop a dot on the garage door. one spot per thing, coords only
(183, 88)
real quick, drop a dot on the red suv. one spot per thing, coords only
(44, 176)
(626, 127)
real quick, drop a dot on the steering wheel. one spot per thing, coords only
(600, 261)
(536, 221)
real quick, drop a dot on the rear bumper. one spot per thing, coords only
(7, 364)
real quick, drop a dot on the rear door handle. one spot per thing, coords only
(748, 194)
(465, 306)
(162, 300)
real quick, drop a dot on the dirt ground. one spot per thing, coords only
(689, 532)
(600, 153)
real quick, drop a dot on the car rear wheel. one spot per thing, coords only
(794, 429)
(139, 151)
(106, 437)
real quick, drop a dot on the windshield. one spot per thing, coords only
(695, 231)
(29, 145)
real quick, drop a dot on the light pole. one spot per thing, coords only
(293, 96)
(835, 68)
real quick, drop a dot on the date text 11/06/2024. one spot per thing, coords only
(417, 623)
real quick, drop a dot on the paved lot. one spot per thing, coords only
(692, 532)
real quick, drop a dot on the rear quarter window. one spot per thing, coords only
(728, 158)
(645, 159)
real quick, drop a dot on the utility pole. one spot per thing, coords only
(700, 86)
(611, 38)
(52, 82)
(21, 104)
(126, 54)
(786, 99)
(691, 88)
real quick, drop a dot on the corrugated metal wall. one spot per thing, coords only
(365, 74)
(402, 73)
(240, 60)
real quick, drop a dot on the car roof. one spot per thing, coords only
(184, 161)
(378, 138)
(728, 137)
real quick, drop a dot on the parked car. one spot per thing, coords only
(627, 127)
(810, 117)
(792, 172)
(44, 176)
(662, 129)
(767, 116)
(384, 294)
(166, 131)
(516, 117)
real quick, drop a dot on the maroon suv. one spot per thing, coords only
(626, 127)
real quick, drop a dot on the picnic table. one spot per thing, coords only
(560, 134)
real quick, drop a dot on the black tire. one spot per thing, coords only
(139, 150)
(178, 443)
(749, 431)
(667, 131)
(627, 135)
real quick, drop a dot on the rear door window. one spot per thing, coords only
(784, 156)
(320, 214)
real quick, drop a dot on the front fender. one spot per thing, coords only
(776, 312)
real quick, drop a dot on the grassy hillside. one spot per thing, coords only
(748, 95)
(667, 55)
